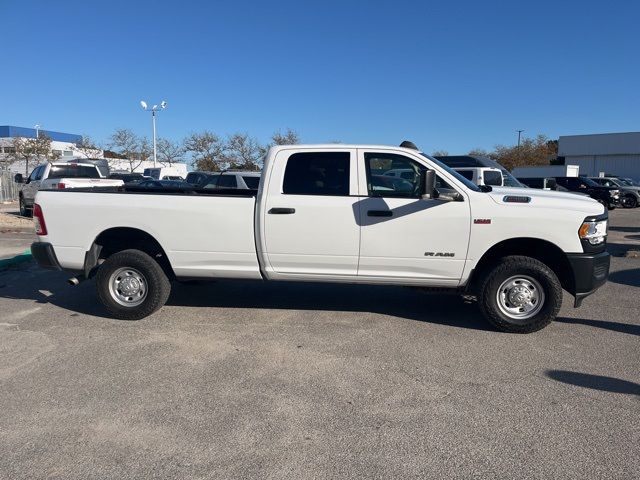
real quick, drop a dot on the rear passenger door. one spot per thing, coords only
(310, 219)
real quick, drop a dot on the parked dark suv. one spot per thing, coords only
(608, 196)
(629, 193)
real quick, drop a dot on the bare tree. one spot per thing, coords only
(289, 137)
(88, 147)
(479, 152)
(21, 151)
(169, 152)
(440, 153)
(206, 149)
(243, 152)
(127, 144)
(28, 150)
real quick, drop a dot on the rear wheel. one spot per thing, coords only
(629, 201)
(520, 295)
(132, 285)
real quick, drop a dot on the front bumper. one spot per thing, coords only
(45, 255)
(590, 272)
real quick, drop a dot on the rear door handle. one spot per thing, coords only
(380, 213)
(282, 211)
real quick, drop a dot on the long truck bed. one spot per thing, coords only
(203, 233)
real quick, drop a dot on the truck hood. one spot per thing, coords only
(547, 199)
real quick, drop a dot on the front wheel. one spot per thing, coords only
(520, 295)
(132, 285)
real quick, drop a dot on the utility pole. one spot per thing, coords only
(519, 132)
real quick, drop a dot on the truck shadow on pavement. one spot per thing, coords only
(603, 324)
(626, 277)
(409, 303)
(594, 382)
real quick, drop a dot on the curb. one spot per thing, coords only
(24, 257)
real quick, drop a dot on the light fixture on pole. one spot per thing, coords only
(154, 109)
(37, 127)
(519, 132)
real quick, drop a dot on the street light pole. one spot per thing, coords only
(154, 109)
(153, 120)
(519, 132)
(37, 127)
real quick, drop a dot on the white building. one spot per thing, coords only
(63, 144)
(611, 153)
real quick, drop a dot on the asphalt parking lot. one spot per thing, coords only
(253, 380)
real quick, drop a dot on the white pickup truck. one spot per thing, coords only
(60, 175)
(328, 213)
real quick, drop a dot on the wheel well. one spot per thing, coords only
(115, 240)
(546, 252)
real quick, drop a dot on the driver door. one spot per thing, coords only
(403, 235)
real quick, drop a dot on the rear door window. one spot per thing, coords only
(227, 181)
(468, 174)
(252, 182)
(317, 173)
(492, 177)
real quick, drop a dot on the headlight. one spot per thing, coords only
(594, 232)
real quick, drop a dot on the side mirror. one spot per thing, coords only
(18, 178)
(428, 181)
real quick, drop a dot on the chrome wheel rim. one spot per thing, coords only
(128, 287)
(520, 297)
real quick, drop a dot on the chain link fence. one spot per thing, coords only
(8, 188)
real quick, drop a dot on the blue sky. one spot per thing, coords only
(451, 75)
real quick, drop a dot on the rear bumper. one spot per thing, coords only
(45, 256)
(590, 272)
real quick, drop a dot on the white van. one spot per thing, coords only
(482, 175)
(177, 171)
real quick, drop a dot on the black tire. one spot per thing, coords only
(629, 201)
(24, 210)
(611, 207)
(157, 284)
(510, 267)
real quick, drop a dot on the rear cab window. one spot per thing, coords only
(317, 173)
(73, 171)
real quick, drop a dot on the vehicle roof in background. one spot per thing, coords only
(457, 161)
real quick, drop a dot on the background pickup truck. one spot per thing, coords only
(61, 175)
(329, 213)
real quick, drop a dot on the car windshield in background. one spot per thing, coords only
(73, 171)
(252, 182)
(589, 182)
(509, 180)
(468, 183)
(629, 181)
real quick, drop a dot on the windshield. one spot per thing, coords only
(589, 182)
(511, 181)
(628, 181)
(467, 183)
